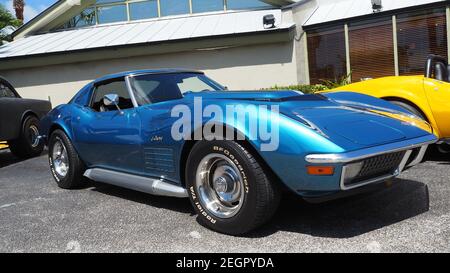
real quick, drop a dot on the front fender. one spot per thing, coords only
(294, 142)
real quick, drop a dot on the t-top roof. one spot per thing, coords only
(143, 32)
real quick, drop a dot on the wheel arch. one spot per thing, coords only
(28, 113)
(55, 126)
(410, 103)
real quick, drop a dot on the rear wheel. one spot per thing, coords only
(229, 189)
(28, 144)
(65, 165)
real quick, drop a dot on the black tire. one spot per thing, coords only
(74, 178)
(28, 144)
(261, 195)
(409, 108)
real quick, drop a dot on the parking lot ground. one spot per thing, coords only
(413, 215)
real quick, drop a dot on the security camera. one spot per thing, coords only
(377, 6)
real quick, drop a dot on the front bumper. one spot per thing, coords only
(411, 151)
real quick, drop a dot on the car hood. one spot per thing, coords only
(346, 125)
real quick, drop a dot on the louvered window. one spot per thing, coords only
(371, 49)
(326, 55)
(420, 34)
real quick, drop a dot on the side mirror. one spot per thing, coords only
(112, 99)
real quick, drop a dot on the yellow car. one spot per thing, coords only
(425, 96)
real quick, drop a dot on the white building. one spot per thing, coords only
(75, 41)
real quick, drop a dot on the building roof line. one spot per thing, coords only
(40, 16)
(37, 18)
(308, 26)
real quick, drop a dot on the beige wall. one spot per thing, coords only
(246, 67)
(300, 14)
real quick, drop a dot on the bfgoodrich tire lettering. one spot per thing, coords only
(72, 176)
(260, 196)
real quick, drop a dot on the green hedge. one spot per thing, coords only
(307, 89)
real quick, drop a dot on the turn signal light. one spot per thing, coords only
(320, 170)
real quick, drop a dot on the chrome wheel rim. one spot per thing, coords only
(60, 158)
(220, 186)
(33, 136)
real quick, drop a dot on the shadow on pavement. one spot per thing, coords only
(352, 216)
(345, 218)
(7, 158)
(182, 205)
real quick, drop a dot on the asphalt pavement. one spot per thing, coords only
(413, 215)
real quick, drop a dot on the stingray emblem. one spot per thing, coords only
(156, 138)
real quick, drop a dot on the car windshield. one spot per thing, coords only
(154, 88)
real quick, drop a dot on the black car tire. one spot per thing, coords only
(261, 194)
(74, 177)
(28, 144)
(409, 108)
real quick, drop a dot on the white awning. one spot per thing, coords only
(145, 32)
(332, 10)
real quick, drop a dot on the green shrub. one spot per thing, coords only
(310, 89)
(307, 89)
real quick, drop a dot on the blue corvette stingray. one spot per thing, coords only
(178, 133)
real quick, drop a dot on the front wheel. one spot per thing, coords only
(65, 165)
(28, 144)
(229, 189)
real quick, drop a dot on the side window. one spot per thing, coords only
(156, 88)
(6, 92)
(193, 84)
(116, 86)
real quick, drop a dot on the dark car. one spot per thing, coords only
(19, 121)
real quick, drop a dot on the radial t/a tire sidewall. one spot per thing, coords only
(243, 221)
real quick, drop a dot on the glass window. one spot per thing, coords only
(6, 92)
(207, 5)
(164, 87)
(108, 1)
(372, 49)
(85, 18)
(174, 7)
(245, 4)
(111, 14)
(420, 34)
(116, 86)
(327, 55)
(143, 10)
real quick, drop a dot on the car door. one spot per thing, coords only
(106, 136)
(438, 94)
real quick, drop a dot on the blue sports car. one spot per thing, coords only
(178, 133)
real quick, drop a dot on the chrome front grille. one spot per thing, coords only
(377, 166)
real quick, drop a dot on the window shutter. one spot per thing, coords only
(326, 54)
(420, 34)
(372, 49)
